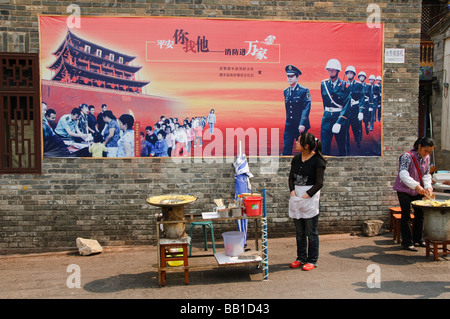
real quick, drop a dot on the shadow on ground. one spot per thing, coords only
(150, 279)
(383, 252)
(416, 289)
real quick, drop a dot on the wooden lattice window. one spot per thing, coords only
(20, 118)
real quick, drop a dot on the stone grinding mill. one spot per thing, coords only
(172, 207)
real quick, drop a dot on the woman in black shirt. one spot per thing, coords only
(305, 182)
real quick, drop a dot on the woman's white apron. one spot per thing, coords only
(303, 207)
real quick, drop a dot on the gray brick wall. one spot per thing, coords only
(105, 199)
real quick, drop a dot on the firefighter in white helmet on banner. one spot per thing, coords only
(336, 99)
(379, 98)
(368, 100)
(356, 107)
(372, 108)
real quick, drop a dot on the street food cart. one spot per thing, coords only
(174, 247)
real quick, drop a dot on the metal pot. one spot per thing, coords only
(436, 221)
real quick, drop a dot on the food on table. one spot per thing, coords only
(432, 203)
(171, 199)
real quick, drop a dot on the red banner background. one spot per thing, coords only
(233, 66)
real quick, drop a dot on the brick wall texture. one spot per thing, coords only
(105, 199)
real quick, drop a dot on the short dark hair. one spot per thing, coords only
(75, 111)
(98, 138)
(127, 119)
(50, 112)
(163, 134)
(109, 114)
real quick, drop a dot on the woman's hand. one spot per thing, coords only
(429, 192)
(305, 196)
(420, 190)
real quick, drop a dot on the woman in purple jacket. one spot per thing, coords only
(412, 183)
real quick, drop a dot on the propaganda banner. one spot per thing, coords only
(188, 87)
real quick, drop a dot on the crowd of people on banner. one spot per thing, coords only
(171, 138)
(82, 133)
(351, 104)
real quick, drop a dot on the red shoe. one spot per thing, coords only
(308, 266)
(295, 264)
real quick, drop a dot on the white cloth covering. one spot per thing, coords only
(303, 207)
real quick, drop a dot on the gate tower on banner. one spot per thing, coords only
(82, 62)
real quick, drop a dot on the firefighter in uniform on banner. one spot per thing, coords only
(372, 108)
(378, 102)
(336, 100)
(297, 101)
(356, 107)
(368, 100)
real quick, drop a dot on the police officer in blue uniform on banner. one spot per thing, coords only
(297, 101)
(356, 107)
(336, 100)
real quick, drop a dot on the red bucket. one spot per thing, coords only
(253, 205)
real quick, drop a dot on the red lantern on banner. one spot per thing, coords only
(86, 81)
(113, 85)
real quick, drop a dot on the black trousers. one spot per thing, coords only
(416, 236)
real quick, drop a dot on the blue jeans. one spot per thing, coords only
(307, 239)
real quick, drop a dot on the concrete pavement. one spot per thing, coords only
(346, 265)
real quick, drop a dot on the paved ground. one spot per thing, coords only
(345, 265)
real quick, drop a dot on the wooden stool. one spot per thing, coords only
(397, 226)
(433, 246)
(166, 256)
(392, 211)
